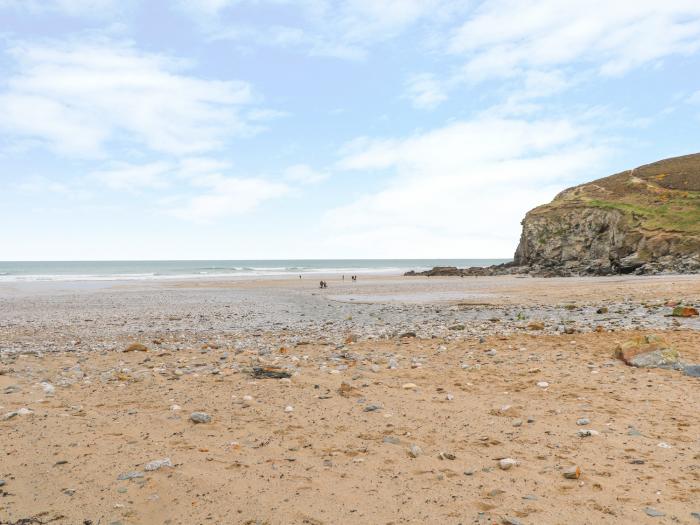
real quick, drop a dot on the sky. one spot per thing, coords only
(249, 129)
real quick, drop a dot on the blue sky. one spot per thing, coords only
(325, 129)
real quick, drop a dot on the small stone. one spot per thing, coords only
(136, 347)
(583, 421)
(586, 432)
(409, 386)
(530, 497)
(407, 335)
(507, 463)
(200, 417)
(289, 408)
(685, 311)
(511, 521)
(692, 370)
(130, 475)
(414, 451)
(393, 364)
(542, 384)
(637, 462)
(518, 423)
(2, 482)
(651, 511)
(48, 388)
(157, 464)
(491, 353)
(664, 445)
(469, 472)
(175, 408)
(449, 397)
(572, 473)
(536, 325)
(372, 408)
(695, 515)
(392, 440)
(447, 455)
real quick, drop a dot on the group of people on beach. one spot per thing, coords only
(324, 284)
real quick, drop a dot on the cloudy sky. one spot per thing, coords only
(199, 129)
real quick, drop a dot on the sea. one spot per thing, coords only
(13, 271)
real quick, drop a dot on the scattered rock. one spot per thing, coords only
(535, 325)
(507, 463)
(157, 464)
(200, 417)
(649, 351)
(447, 455)
(685, 311)
(692, 370)
(48, 388)
(136, 347)
(572, 472)
(651, 511)
(130, 475)
(407, 335)
(511, 521)
(269, 372)
(372, 408)
(392, 440)
(409, 386)
(586, 432)
(542, 384)
(583, 421)
(289, 408)
(414, 451)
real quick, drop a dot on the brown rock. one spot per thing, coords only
(572, 472)
(136, 347)
(684, 311)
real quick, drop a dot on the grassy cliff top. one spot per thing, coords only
(663, 196)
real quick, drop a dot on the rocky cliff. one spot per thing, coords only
(645, 220)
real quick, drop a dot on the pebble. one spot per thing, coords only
(48, 388)
(130, 475)
(518, 423)
(175, 408)
(414, 451)
(392, 440)
(289, 408)
(157, 464)
(511, 521)
(695, 515)
(2, 482)
(507, 463)
(572, 472)
(200, 417)
(372, 408)
(586, 432)
(393, 364)
(583, 421)
(542, 384)
(449, 397)
(651, 511)
(409, 386)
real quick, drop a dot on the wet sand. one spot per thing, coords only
(361, 396)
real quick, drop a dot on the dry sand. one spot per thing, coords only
(465, 403)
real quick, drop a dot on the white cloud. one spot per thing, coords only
(463, 189)
(341, 29)
(504, 37)
(133, 177)
(425, 91)
(225, 196)
(68, 7)
(76, 97)
(304, 174)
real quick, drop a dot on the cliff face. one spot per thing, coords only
(645, 220)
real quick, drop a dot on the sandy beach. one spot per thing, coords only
(406, 399)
